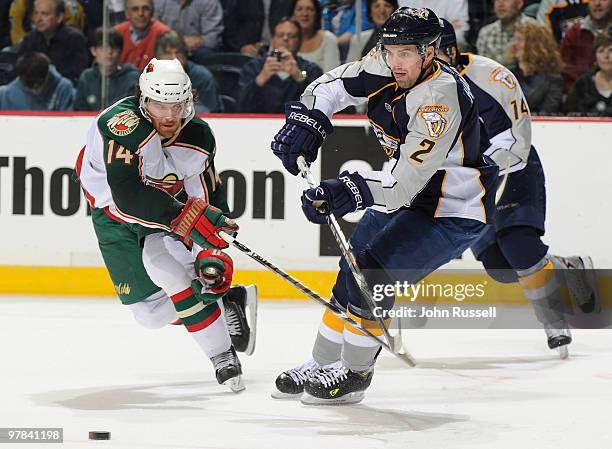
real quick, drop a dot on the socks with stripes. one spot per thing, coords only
(543, 290)
(205, 323)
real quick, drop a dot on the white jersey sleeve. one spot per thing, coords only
(346, 85)
(504, 110)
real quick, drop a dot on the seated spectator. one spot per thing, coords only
(172, 45)
(199, 21)
(5, 24)
(378, 13)
(455, 11)
(494, 39)
(318, 46)
(38, 87)
(560, 15)
(121, 78)
(339, 16)
(65, 45)
(577, 43)
(480, 13)
(21, 15)
(275, 11)
(94, 13)
(537, 66)
(268, 82)
(243, 21)
(140, 33)
(592, 93)
(116, 11)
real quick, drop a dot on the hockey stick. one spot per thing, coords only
(502, 186)
(406, 358)
(395, 342)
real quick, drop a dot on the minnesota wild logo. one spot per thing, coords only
(123, 123)
(170, 183)
(334, 392)
(123, 288)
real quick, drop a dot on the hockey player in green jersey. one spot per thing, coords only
(158, 206)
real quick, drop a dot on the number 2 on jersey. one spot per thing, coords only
(425, 143)
(119, 153)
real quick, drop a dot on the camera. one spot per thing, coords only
(276, 54)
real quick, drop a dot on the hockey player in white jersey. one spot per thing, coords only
(429, 205)
(511, 248)
(157, 205)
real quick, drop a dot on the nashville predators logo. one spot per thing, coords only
(420, 13)
(170, 183)
(433, 116)
(388, 143)
(503, 76)
(334, 392)
(123, 123)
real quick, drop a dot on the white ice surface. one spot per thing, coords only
(84, 364)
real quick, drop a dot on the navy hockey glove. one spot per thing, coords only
(302, 134)
(339, 196)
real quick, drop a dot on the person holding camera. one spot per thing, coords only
(269, 81)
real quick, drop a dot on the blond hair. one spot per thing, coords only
(540, 51)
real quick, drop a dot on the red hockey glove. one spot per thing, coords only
(200, 222)
(215, 269)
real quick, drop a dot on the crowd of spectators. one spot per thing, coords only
(254, 55)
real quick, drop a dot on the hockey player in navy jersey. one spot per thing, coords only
(511, 248)
(429, 204)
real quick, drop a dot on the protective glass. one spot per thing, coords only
(403, 56)
(158, 109)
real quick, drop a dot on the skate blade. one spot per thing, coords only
(235, 383)
(347, 399)
(276, 394)
(563, 352)
(592, 280)
(251, 306)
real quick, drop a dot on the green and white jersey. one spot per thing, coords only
(128, 170)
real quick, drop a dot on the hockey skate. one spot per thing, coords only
(579, 276)
(559, 339)
(290, 384)
(228, 369)
(240, 309)
(335, 384)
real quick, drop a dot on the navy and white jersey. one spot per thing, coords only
(430, 133)
(502, 107)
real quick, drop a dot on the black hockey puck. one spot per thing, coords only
(99, 435)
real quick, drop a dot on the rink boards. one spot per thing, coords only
(48, 245)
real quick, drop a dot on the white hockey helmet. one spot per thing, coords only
(165, 81)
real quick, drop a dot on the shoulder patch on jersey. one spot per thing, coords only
(169, 183)
(434, 118)
(503, 76)
(123, 123)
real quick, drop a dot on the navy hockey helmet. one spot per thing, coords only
(448, 39)
(412, 26)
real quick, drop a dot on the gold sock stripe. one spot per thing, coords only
(370, 325)
(538, 279)
(191, 311)
(332, 321)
